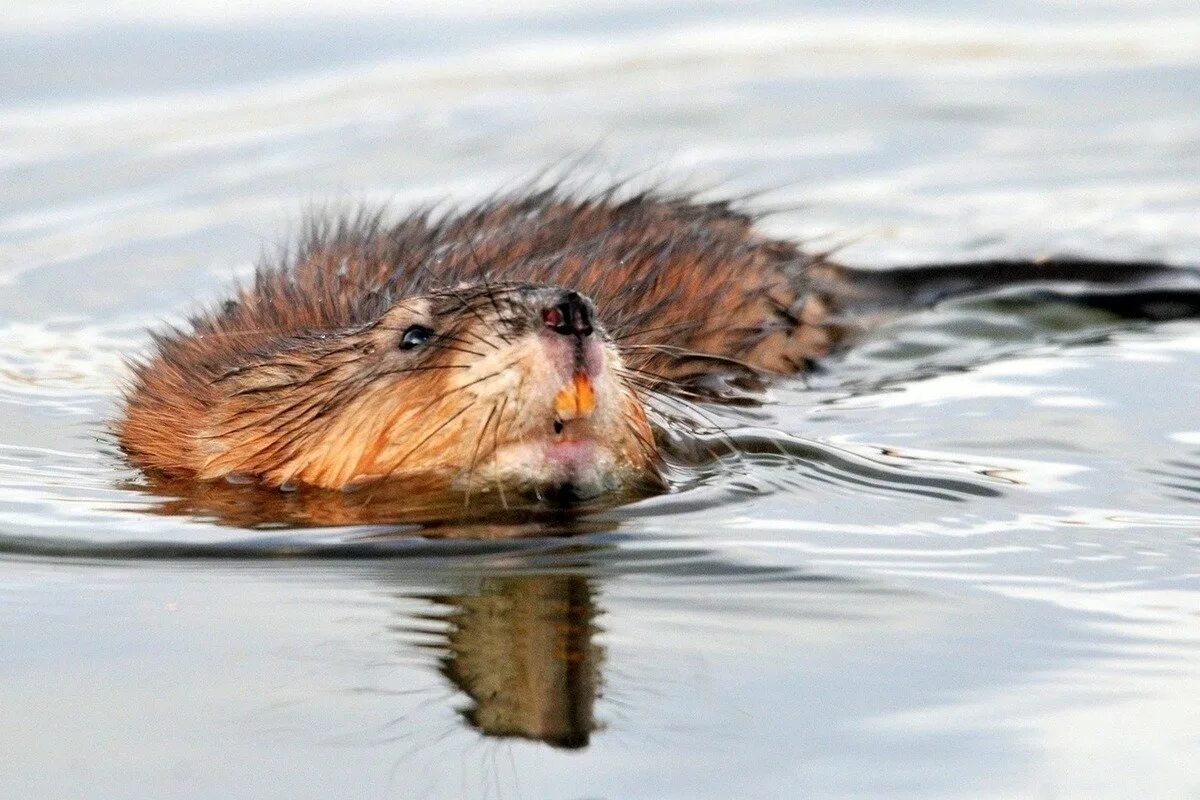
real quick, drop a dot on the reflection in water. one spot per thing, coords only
(517, 634)
(694, 459)
(521, 648)
(441, 514)
(967, 333)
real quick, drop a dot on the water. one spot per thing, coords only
(962, 562)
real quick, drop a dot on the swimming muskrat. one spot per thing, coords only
(517, 345)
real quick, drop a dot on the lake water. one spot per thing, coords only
(964, 564)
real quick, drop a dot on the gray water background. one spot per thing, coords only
(971, 573)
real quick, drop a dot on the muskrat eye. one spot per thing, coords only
(415, 336)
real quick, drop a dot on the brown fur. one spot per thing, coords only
(682, 288)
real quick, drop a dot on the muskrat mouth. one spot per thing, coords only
(575, 400)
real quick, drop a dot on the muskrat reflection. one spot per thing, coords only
(439, 514)
(521, 648)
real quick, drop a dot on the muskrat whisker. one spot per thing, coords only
(420, 368)
(282, 427)
(475, 337)
(651, 385)
(436, 346)
(649, 373)
(656, 391)
(283, 418)
(521, 438)
(435, 431)
(460, 340)
(466, 305)
(321, 373)
(648, 448)
(475, 454)
(643, 383)
(449, 392)
(673, 327)
(234, 371)
(496, 447)
(663, 420)
(689, 406)
(661, 388)
(682, 353)
(489, 294)
(675, 386)
(490, 291)
(646, 373)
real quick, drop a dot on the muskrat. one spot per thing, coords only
(514, 345)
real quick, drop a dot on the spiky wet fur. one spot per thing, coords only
(295, 379)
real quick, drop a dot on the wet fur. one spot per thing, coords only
(683, 288)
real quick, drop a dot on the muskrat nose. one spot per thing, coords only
(572, 316)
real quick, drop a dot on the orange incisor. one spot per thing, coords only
(575, 399)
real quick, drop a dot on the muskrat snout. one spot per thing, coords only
(571, 316)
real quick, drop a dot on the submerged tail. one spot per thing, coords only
(1128, 289)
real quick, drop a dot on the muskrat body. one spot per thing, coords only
(512, 345)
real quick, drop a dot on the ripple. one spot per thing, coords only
(1179, 478)
(59, 361)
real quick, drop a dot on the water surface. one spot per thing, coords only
(959, 562)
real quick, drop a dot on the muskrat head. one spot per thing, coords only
(472, 388)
